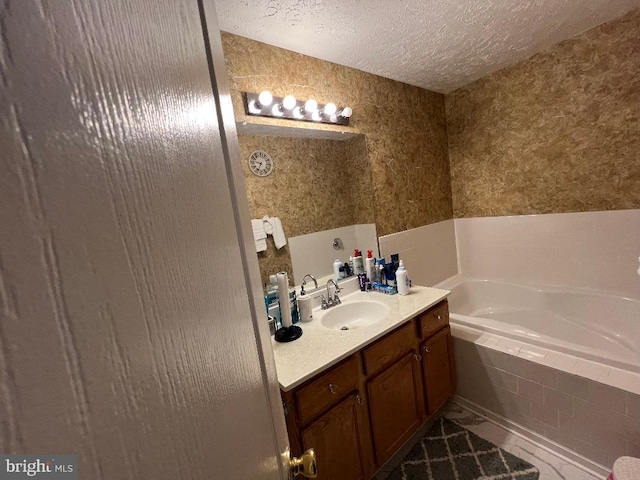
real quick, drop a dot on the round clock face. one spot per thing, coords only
(260, 163)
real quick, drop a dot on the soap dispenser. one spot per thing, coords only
(305, 306)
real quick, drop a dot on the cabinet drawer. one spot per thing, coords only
(327, 389)
(390, 348)
(434, 319)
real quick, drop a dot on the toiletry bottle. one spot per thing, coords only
(348, 270)
(379, 270)
(293, 305)
(390, 274)
(402, 279)
(305, 306)
(358, 263)
(342, 272)
(368, 265)
(336, 269)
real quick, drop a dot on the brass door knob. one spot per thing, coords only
(304, 465)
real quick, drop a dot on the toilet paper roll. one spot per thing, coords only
(283, 296)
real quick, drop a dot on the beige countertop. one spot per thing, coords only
(319, 348)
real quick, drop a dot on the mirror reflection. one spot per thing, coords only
(320, 182)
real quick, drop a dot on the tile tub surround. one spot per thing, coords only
(586, 416)
(428, 252)
(319, 347)
(591, 250)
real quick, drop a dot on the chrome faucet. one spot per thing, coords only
(331, 301)
(304, 282)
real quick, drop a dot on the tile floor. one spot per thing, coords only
(551, 467)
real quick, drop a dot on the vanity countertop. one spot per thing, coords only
(319, 348)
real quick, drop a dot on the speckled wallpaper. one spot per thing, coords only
(405, 127)
(315, 185)
(559, 132)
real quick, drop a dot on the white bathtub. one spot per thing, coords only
(593, 326)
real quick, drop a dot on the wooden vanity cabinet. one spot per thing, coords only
(438, 369)
(394, 389)
(358, 413)
(339, 441)
(328, 413)
(396, 405)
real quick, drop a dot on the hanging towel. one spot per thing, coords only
(259, 235)
(278, 233)
(266, 223)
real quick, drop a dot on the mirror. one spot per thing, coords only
(320, 188)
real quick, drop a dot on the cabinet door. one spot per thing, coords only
(438, 376)
(337, 438)
(396, 405)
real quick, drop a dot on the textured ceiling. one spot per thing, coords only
(439, 45)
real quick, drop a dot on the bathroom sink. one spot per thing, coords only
(353, 315)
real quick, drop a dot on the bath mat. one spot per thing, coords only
(449, 451)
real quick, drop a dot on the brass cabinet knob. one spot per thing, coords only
(426, 349)
(417, 356)
(304, 465)
(333, 388)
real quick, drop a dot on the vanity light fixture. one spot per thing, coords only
(266, 105)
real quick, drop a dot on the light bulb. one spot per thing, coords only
(310, 105)
(330, 108)
(276, 111)
(315, 116)
(254, 107)
(346, 112)
(298, 112)
(333, 118)
(289, 102)
(265, 98)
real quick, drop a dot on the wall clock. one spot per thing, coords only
(260, 163)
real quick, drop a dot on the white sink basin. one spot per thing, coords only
(352, 315)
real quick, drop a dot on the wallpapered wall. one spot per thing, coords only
(405, 126)
(558, 132)
(315, 185)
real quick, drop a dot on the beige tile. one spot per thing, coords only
(502, 379)
(633, 406)
(561, 436)
(518, 366)
(531, 390)
(491, 357)
(549, 416)
(573, 385)
(608, 397)
(544, 375)
(558, 400)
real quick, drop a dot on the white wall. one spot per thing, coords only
(593, 250)
(428, 252)
(314, 253)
